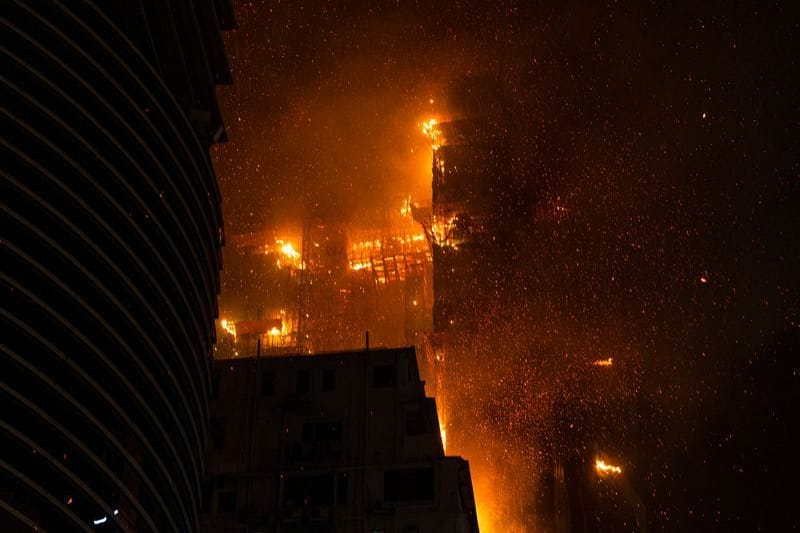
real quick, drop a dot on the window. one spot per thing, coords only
(415, 422)
(341, 488)
(322, 431)
(268, 383)
(215, 385)
(329, 379)
(207, 492)
(383, 376)
(308, 490)
(216, 427)
(303, 380)
(226, 502)
(408, 484)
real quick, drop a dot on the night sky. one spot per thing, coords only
(660, 149)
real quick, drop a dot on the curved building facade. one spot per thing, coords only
(110, 246)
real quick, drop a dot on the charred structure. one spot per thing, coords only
(477, 207)
(111, 239)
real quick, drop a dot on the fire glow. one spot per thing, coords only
(604, 362)
(430, 128)
(228, 326)
(606, 469)
(287, 254)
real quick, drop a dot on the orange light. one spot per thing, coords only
(228, 326)
(606, 469)
(430, 128)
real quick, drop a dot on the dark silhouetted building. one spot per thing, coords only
(339, 442)
(111, 237)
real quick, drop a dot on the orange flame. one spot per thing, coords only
(605, 469)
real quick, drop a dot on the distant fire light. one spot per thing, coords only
(430, 128)
(604, 362)
(606, 469)
(228, 326)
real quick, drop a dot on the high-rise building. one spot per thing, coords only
(337, 442)
(477, 205)
(110, 239)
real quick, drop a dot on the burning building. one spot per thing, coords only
(476, 209)
(327, 282)
(111, 239)
(333, 442)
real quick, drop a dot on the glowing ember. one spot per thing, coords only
(604, 362)
(606, 469)
(274, 332)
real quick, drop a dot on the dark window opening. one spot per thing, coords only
(216, 427)
(408, 484)
(383, 376)
(215, 386)
(322, 431)
(226, 502)
(329, 379)
(207, 493)
(341, 488)
(310, 490)
(415, 422)
(268, 383)
(303, 379)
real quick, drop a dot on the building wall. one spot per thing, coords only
(111, 237)
(331, 442)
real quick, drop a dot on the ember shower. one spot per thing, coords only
(644, 303)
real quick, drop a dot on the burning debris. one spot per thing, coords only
(606, 469)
